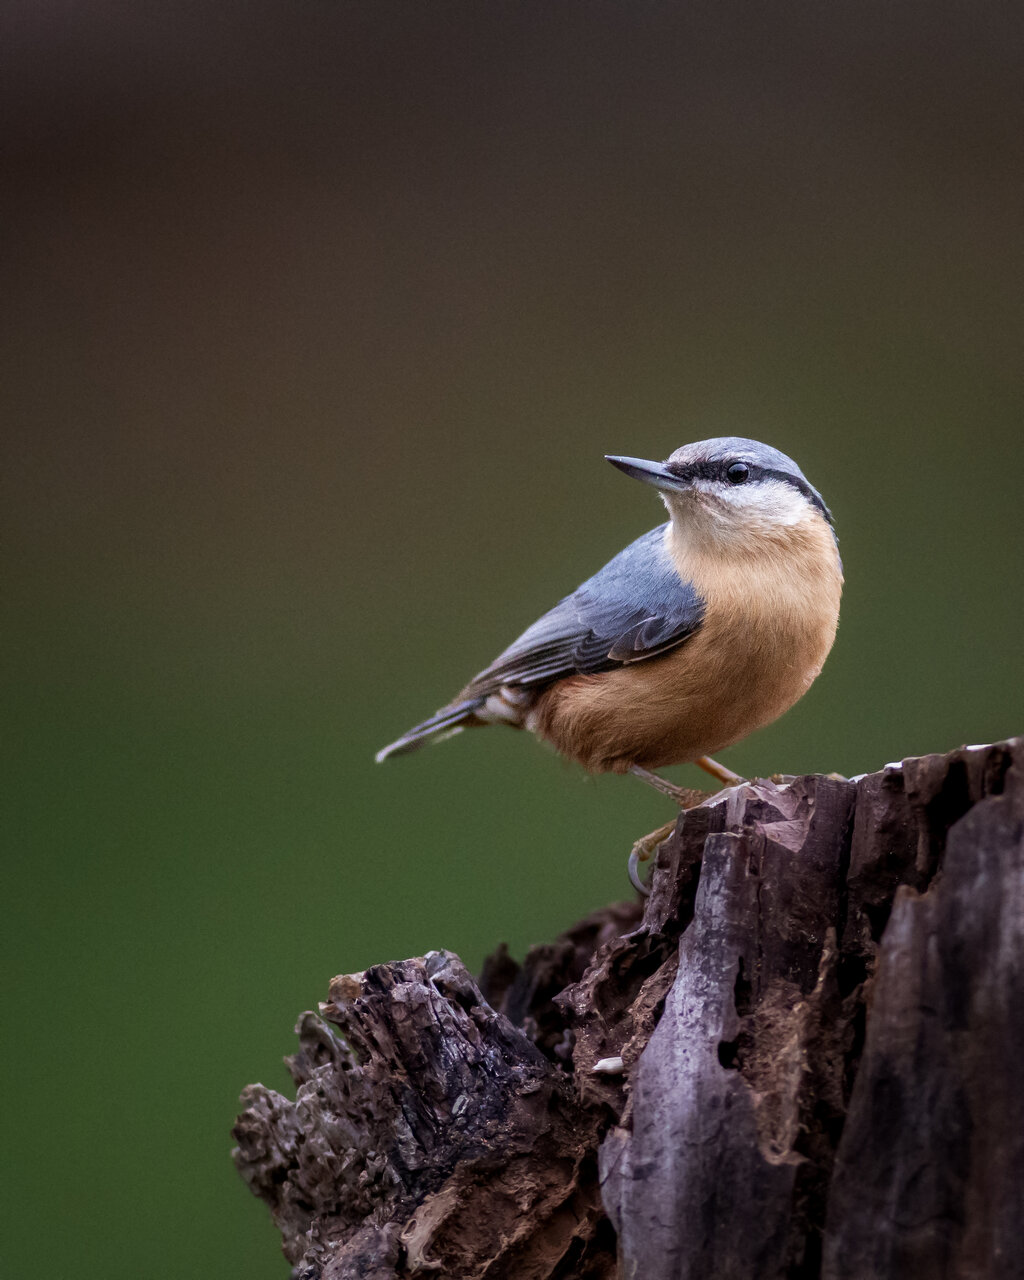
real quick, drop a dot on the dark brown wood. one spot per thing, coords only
(929, 1172)
(820, 1021)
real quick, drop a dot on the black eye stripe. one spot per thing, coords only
(717, 469)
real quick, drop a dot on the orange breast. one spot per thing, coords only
(769, 624)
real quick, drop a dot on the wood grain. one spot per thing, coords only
(819, 1021)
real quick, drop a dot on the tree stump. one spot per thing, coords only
(800, 1059)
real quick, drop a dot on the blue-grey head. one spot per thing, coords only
(730, 487)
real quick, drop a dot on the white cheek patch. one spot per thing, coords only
(765, 502)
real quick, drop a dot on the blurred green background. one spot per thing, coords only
(317, 321)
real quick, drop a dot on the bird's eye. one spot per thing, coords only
(738, 473)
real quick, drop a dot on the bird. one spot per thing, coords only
(704, 629)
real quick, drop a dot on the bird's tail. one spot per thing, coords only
(442, 724)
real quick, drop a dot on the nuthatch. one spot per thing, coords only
(695, 635)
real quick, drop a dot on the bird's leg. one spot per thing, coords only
(685, 797)
(643, 850)
(725, 776)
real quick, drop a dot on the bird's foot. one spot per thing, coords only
(685, 798)
(645, 848)
(643, 851)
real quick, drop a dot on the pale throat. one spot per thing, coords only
(704, 549)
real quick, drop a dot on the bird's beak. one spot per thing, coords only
(655, 473)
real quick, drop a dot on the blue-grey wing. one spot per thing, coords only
(634, 608)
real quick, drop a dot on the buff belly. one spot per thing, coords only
(740, 672)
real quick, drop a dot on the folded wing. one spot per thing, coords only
(633, 609)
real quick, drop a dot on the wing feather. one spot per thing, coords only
(636, 607)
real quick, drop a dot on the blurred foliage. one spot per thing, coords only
(318, 321)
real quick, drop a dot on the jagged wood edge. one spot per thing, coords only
(781, 1045)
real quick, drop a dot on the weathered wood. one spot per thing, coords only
(820, 1021)
(431, 1135)
(929, 1175)
(718, 1101)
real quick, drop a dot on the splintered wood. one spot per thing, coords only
(801, 1061)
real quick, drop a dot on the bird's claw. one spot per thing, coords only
(645, 849)
(637, 855)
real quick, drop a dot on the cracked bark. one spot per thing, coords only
(819, 1017)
